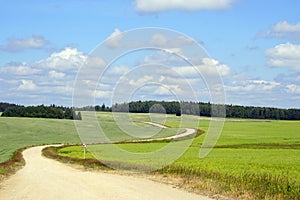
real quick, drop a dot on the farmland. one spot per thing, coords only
(252, 157)
(16, 133)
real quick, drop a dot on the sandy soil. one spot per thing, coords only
(47, 179)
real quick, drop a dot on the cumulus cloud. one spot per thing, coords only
(209, 67)
(67, 59)
(168, 90)
(46, 81)
(141, 81)
(170, 42)
(154, 6)
(27, 85)
(18, 69)
(119, 70)
(54, 74)
(284, 55)
(102, 94)
(152, 39)
(292, 88)
(114, 40)
(283, 30)
(252, 86)
(18, 44)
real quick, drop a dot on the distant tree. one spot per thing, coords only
(103, 107)
(178, 113)
(97, 108)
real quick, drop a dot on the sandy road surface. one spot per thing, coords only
(47, 179)
(187, 131)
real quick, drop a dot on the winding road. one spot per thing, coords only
(47, 179)
(187, 132)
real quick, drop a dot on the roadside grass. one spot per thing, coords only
(12, 165)
(88, 162)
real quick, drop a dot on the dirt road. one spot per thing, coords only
(47, 179)
(187, 132)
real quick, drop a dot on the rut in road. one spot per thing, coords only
(47, 179)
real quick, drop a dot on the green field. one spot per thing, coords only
(250, 155)
(262, 156)
(16, 133)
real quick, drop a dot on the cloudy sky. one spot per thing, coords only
(254, 46)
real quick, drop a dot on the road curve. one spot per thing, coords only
(47, 179)
(187, 132)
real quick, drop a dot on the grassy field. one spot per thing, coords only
(252, 156)
(16, 133)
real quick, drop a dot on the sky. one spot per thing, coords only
(252, 46)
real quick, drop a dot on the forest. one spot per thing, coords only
(40, 111)
(173, 107)
(205, 109)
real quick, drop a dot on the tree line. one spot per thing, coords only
(40, 111)
(173, 107)
(4, 106)
(205, 109)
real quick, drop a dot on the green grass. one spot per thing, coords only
(74, 152)
(251, 155)
(16, 133)
(262, 157)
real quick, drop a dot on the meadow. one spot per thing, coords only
(17, 133)
(252, 159)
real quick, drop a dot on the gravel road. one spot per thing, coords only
(47, 179)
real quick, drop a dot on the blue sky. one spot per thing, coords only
(255, 43)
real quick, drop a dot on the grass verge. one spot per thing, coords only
(11, 166)
(244, 186)
(52, 152)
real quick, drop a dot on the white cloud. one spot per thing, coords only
(19, 69)
(69, 58)
(284, 55)
(54, 74)
(292, 88)
(209, 67)
(102, 94)
(151, 39)
(209, 64)
(141, 81)
(49, 80)
(118, 70)
(252, 86)
(27, 85)
(114, 40)
(168, 42)
(174, 50)
(283, 30)
(17, 44)
(153, 6)
(168, 90)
